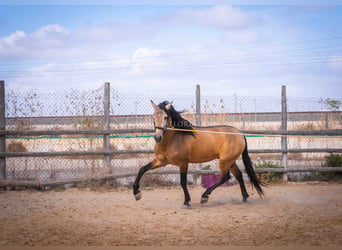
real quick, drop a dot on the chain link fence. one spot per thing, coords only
(83, 110)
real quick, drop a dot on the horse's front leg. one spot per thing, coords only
(152, 165)
(136, 185)
(184, 181)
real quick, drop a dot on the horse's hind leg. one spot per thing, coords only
(238, 175)
(225, 177)
(184, 180)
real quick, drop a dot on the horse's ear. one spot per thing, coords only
(155, 106)
(168, 106)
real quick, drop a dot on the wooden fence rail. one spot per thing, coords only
(332, 132)
(134, 131)
(73, 181)
(113, 152)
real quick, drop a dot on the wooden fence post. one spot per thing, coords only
(2, 127)
(106, 138)
(197, 179)
(198, 105)
(284, 128)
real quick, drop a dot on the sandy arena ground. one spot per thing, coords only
(290, 214)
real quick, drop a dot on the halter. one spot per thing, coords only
(162, 128)
(158, 127)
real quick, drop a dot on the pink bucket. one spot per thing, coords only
(210, 179)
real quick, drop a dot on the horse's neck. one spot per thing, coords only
(169, 122)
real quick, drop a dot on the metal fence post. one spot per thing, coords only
(284, 127)
(2, 127)
(106, 108)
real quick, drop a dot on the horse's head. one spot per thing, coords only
(160, 118)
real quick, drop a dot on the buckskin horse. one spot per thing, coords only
(179, 143)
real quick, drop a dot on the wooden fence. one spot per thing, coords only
(106, 132)
(106, 154)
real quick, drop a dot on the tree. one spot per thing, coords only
(331, 104)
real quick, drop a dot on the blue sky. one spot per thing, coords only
(240, 49)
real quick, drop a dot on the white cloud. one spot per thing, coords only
(234, 24)
(9, 46)
(152, 54)
(56, 42)
(12, 39)
(53, 41)
(49, 36)
(145, 58)
(51, 31)
(244, 36)
(34, 45)
(223, 16)
(97, 34)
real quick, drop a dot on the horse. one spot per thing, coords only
(179, 143)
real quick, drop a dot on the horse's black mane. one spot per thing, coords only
(177, 120)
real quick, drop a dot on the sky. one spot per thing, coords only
(227, 47)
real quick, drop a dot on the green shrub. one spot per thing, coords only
(333, 160)
(207, 167)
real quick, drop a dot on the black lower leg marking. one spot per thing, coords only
(136, 184)
(238, 176)
(187, 199)
(205, 195)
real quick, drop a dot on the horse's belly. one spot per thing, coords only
(200, 154)
(202, 159)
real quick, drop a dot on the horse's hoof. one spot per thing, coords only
(204, 200)
(186, 206)
(137, 196)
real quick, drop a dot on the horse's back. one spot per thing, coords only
(214, 142)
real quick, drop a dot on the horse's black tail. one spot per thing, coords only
(250, 171)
